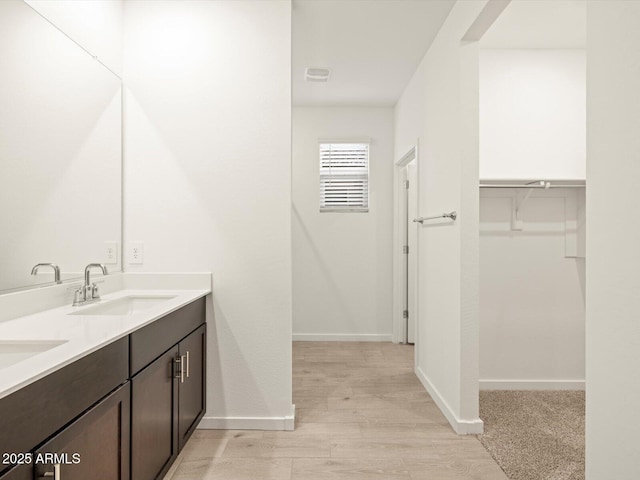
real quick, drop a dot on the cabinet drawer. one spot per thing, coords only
(150, 342)
(47, 405)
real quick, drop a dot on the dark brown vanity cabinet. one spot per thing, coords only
(62, 405)
(168, 396)
(94, 446)
(120, 413)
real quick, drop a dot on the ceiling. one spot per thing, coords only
(372, 47)
(539, 24)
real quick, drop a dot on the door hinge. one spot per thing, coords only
(406, 184)
(405, 314)
(405, 249)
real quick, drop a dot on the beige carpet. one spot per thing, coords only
(535, 435)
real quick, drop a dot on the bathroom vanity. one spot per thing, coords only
(108, 391)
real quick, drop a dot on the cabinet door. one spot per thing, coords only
(192, 383)
(94, 446)
(154, 415)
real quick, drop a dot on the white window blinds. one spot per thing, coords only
(344, 177)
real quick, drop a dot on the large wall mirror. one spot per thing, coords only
(60, 152)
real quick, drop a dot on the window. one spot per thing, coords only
(344, 177)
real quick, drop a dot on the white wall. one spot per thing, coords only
(342, 275)
(438, 109)
(532, 114)
(96, 25)
(207, 183)
(613, 232)
(531, 291)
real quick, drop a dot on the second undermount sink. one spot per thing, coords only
(15, 351)
(125, 306)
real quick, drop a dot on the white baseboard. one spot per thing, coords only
(341, 337)
(461, 427)
(247, 423)
(532, 385)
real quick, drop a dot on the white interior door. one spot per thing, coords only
(412, 256)
(405, 300)
(404, 235)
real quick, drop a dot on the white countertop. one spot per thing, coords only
(83, 334)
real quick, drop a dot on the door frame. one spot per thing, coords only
(398, 256)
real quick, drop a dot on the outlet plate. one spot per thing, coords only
(136, 253)
(110, 253)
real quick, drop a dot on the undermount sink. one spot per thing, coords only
(15, 351)
(125, 306)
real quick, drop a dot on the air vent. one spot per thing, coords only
(316, 74)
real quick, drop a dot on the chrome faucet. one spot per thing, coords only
(56, 270)
(88, 293)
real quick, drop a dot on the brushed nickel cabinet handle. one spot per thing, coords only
(55, 474)
(188, 364)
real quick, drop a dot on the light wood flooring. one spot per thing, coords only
(361, 414)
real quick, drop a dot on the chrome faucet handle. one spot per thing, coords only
(78, 297)
(95, 291)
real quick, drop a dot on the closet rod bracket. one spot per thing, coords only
(518, 203)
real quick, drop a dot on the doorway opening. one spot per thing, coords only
(532, 173)
(406, 253)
